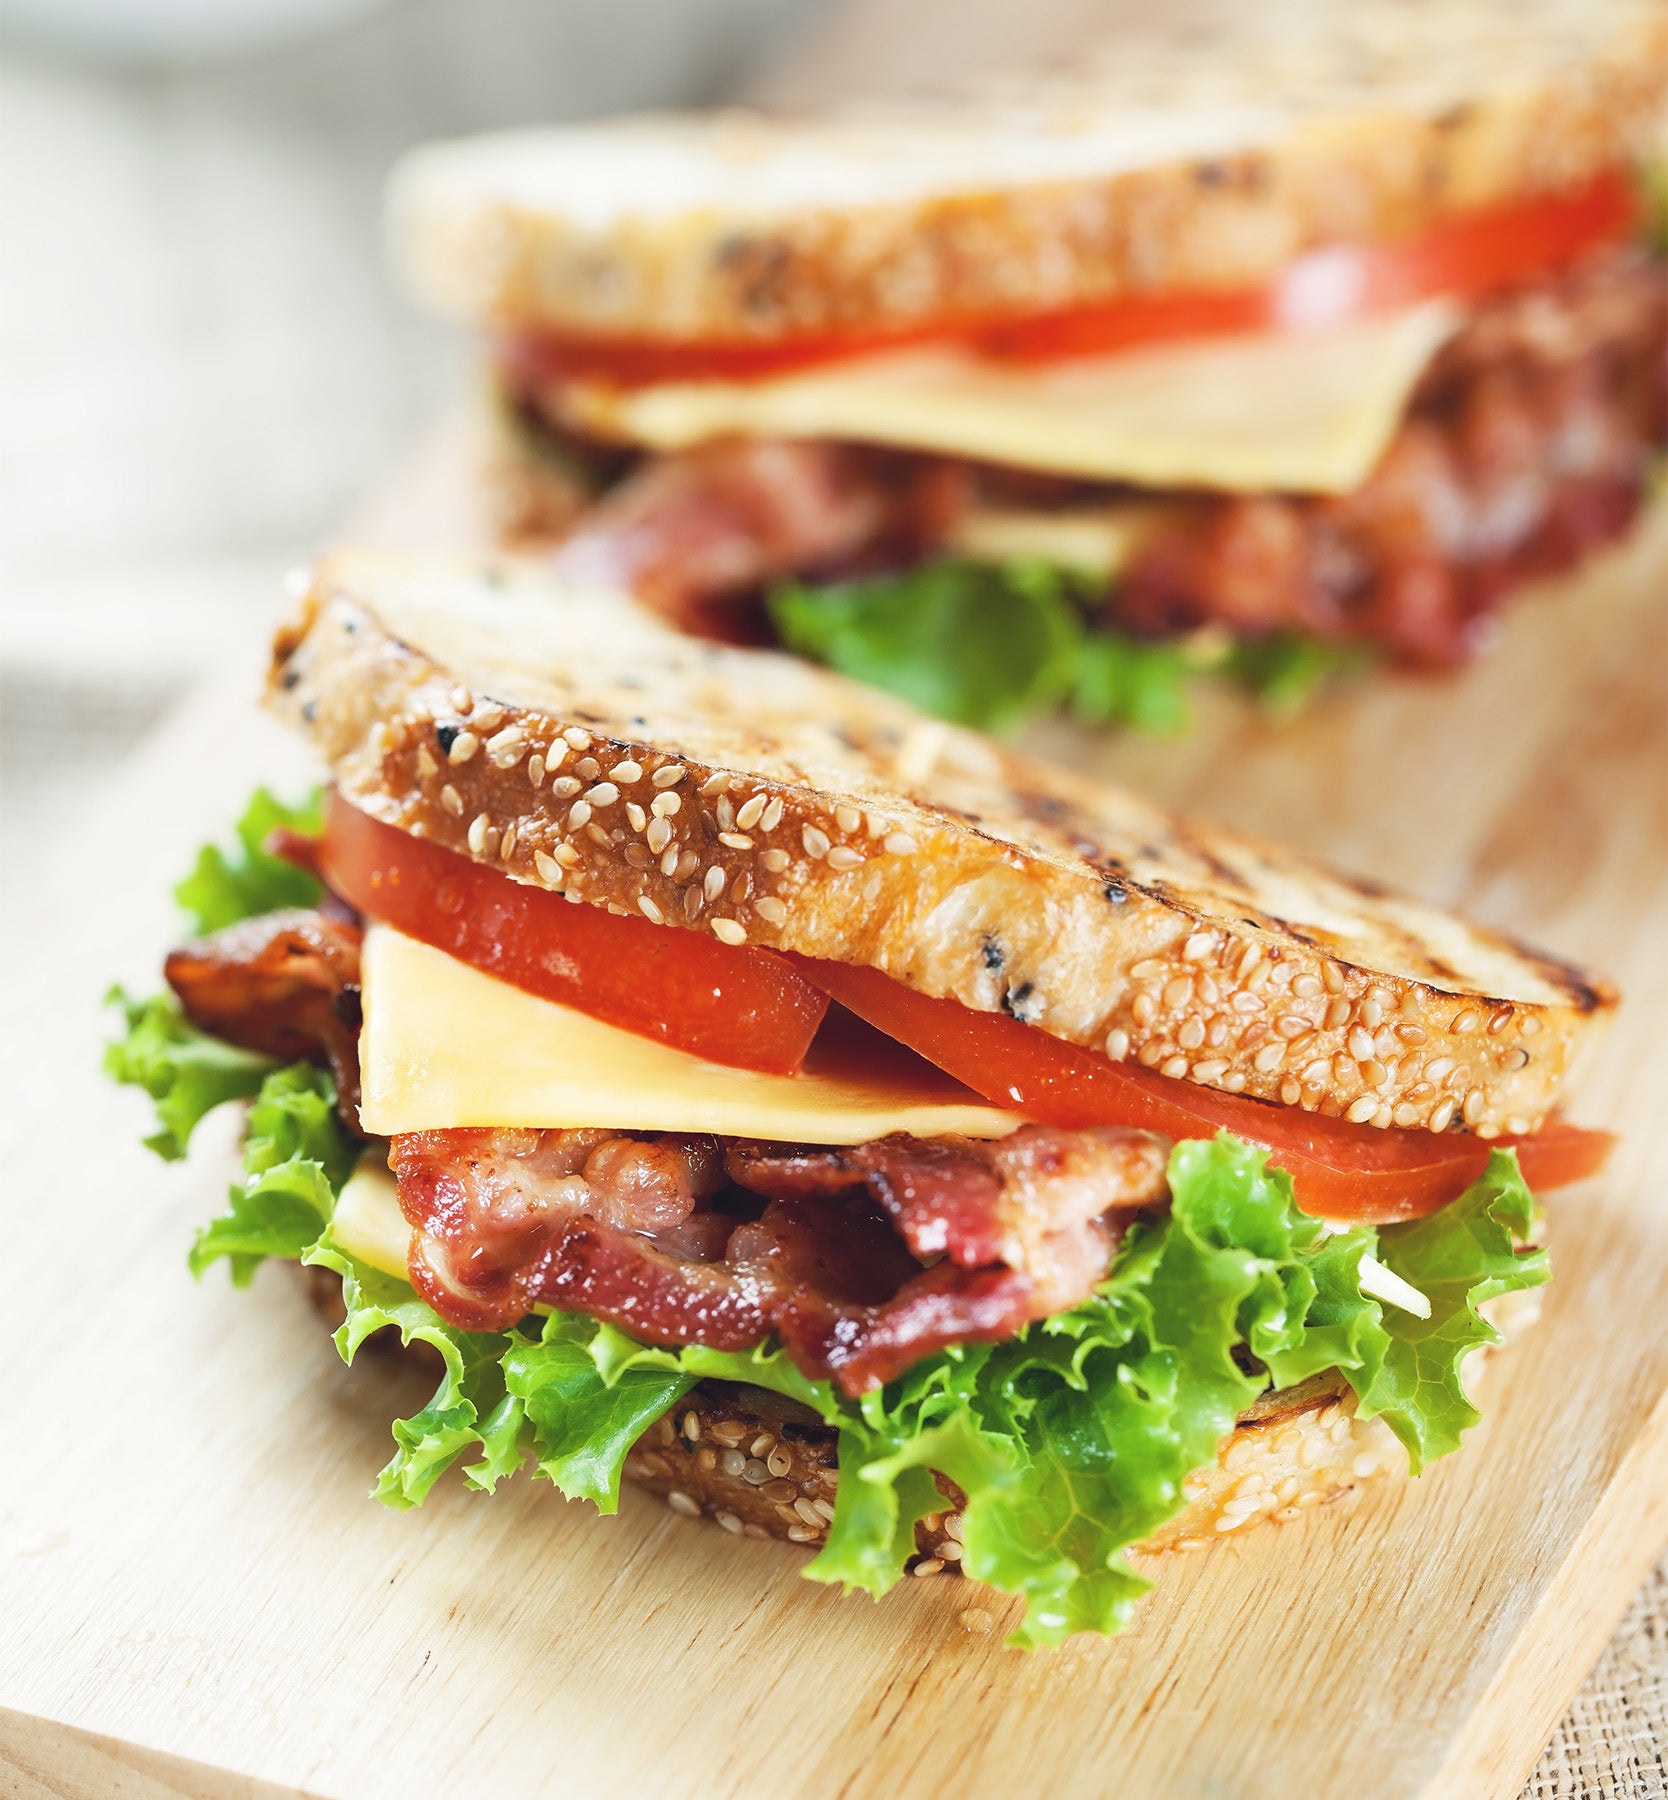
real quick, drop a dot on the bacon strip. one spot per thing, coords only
(285, 984)
(861, 1261)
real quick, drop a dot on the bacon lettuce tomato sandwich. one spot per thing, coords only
(1300, 340)
(849, 1129)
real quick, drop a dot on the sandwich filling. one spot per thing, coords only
(1090, 509)
(1056, 1327)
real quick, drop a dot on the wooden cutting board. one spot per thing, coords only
(198, 1595)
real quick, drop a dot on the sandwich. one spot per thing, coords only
(1265, 349)
(860, 1134)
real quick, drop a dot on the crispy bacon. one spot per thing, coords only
(860, 1260)
(285, 984)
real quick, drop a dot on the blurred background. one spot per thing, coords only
(204, 361)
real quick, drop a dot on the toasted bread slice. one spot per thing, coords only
(1172, 160)
(580, 744)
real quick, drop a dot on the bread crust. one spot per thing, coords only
(580, 745)
(1219, 159)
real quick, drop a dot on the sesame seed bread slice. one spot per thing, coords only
(577, 742)
(1168, 159)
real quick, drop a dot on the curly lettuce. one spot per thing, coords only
(223, 888)
(992, 644)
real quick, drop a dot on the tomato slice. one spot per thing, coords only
(1328, 287)
(739, 1005)
(1339, 1170)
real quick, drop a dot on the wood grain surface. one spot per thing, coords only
(192, 1566)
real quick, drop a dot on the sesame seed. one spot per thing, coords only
(506, 844)
(1142, 1008)
(848, 818)
(462, 701)
(1246, 1003)
(1178, 992)
(564, 787)
(754, 1472)
(1253, 955)
(686, 864)
(636, 818)
(452, 800)
(427, 767)
(1198, 946)
(802, 1534)
(506, 749)
(666, 805)
(1372, 1011)
(566, 855)
(1518, 1127)
(658, 836)
(1290, 1092)
(1467, 1021)
(535, 769)
(1516, 1059)
(549, 870)
(1148, 969)
(691, 903)
(1117, 1044)
(650, 911)
(900, 843)
(727, 931)
(598, 836)
(1410, 1034)
(603, 794)
(625, 773)
(1474, 1104)
(1360, 1111)
(729, 1521)
(735, 840)
(713, 885)
(638, 857)
(742, 887)
(932, 1566)
(1359, 1044)
(1292, 1025)
(815, 841)
(1175, 1067)
(669, 862)
(716, 783)
(1306, 987)
(823, 1508)
(1531, 1026)
(579, 814)
(1337, 1012)
(1374, 1073)
(1150, 1055)
(778, 1462)
(1438, 1067)
(575, 739)
(680, 1502)
(1321, 1070)
(1234, 1081)
(769, 908)
(773, 860)
(672, 773)
(1209, 1070)
(1191, 1035)
(771, 817)
(841, 856)
(479, 826)
(748, 814)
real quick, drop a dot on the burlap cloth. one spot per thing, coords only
(1613, 1742)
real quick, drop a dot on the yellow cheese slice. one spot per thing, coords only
(368, 1223)
(1310, 413)
(445, 1046)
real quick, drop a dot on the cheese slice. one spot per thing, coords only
(445, 1046)
(1307, 413)
(368, 1223)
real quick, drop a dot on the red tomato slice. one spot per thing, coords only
(1463, 257)
(731, 1004)
(1339, 1170)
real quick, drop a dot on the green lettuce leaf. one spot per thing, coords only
(223, 889)
(1459, 1258)
(185, 1071)
(976, 643)
(991, 644)
(295, 1158)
